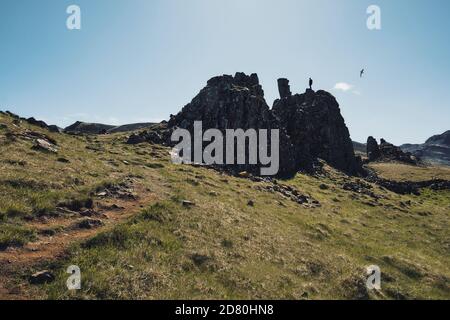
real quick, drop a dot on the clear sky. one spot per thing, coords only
(140, 60)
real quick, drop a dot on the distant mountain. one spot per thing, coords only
(131, 127)
(360, 148)
(97, 128)
(435, 150)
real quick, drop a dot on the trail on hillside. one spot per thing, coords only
(110, 211)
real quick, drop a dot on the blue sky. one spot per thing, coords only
(140, 60)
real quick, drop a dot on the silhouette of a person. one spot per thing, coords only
(310, 83)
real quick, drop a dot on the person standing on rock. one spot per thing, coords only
(310, 83)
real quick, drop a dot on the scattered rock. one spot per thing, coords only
(88, 213)
(63, 160)
(123, 190)
(244, 174)
(187, 203)
(360, 187)
(90, 223)
(323, 187)
(227, 243)
(44, 145)
(408, 187)
(159, 135)
(200, 259)
(42, 277)
(291, 193)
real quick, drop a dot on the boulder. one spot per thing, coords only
(44, 145)
(90, 223)
(187, 203)
(136, 139)
(42, 277)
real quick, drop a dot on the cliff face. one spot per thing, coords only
(317, 129)
(311, 125)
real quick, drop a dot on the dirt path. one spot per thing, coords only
(110, 211)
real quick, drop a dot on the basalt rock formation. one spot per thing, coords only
(310, 124)
(373, 149)
(388, 152)
(316, 129)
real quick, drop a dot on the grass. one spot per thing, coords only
(221, 247)
(12, 235)
(404, 172)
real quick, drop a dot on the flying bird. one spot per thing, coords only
(361, 73)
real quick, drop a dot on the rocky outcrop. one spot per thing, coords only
(237, 102)
(311, 125)
(283, 88)
(316, 129)
(373, 149)
(388, 152)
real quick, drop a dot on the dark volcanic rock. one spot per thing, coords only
(283, 88)
(316, 129)
(311, 125)
(159, 136)
(42, 277)
(388, 152)
(237, 102)
(373, 150)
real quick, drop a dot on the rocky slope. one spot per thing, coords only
(172, 231)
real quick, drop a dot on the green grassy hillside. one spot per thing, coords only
(140, 227)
